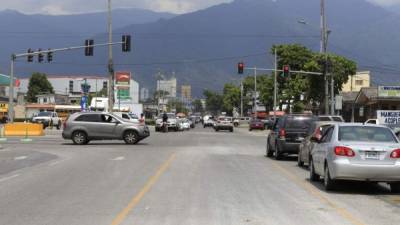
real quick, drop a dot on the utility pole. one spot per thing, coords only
(324, 51)
(241, 98)
(255, 92)
(110, 62)
(11, 92)
(275, 83)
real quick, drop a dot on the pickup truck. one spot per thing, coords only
(48, 119)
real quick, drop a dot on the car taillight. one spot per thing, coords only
(282, 133)
(395, 154)
(344, 151)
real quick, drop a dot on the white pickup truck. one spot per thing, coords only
(48, 119)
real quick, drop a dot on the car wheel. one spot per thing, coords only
(268, 151)
(131, 137)
(313, 175)
(329, 183)
(278, 153)
(395, 188)
(300, 163)
(79, 138)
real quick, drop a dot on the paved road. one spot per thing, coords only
(197, 177)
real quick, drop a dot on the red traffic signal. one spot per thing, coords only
(286, 71)
(240, 68)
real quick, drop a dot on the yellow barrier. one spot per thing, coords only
(23, 129)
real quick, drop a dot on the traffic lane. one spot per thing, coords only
(368, 202)
(229, 181)
(88, 188)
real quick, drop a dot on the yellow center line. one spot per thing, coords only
(341, 211)
(135, 200)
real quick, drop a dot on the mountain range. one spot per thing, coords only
(202, 48)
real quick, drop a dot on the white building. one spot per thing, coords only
(71, 85)
(167, 86)
(144, 94)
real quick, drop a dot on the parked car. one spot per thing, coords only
(256, 124)
(330, 118)
(287, 133)
(84, 127)
(47, 119)
(172, 122)
(351, 151)
(317, 129)
(224, 123)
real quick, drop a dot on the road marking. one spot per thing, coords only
(120, 158)
(308, 187)
(135, 200)
(9, 178)
(21, 157)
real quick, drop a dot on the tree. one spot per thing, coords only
(214, 102)
(38, 84)
(231, 98)
(177, 105)
(198, 106)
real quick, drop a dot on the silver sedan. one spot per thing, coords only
(356, 152)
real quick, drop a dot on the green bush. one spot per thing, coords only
(150, 122)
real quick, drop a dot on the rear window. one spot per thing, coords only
(303, 123)
(324, 118)
(366, 134)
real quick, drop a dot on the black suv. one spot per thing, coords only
(287, 133)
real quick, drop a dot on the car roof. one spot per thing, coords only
(360, 125)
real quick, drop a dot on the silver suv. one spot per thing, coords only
(84, 127)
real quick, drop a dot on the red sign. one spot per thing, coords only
(122, 78)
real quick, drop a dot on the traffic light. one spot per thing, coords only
(89, 47)
(240, 68)
(49, 55)
(40, 56)
(30, 57)
(126, 43)
(286, 71)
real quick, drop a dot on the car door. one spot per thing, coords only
(321, 150)
(108, 126)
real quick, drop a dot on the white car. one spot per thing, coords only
(128, 116)
(185, 124)
(172, 122)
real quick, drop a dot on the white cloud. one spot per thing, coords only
(80, 6)
(385, 2)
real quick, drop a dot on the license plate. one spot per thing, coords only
(300, 138)
(371, 155)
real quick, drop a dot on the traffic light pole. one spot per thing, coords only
(255, 92)
(110, 62)
(14, 57)
(275, 83)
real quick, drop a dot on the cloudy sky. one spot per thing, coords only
(79, 6)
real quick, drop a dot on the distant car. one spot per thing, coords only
(287, 134)
(84, 127)
(256, 124)
(172, 122)
(128, 116)
(317, 129)
(47, 119)
(330, 118)
(192, 122)
(224, 123)
(208, 123)
(185, 124)
(351, 151)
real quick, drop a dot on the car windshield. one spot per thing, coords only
(366, 134)
(133, 116)
(44, 114)
(299, 122)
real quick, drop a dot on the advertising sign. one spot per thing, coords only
(388, 117)
(123, 94)
(84, 103)
(3, 107)
(389, 91)
(122, 79)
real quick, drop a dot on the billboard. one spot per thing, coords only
(122, 79)
(389, 91)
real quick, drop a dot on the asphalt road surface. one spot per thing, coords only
(191, 178)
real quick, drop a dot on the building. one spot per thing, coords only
(71, 85)
(360, 80)
(144, 94)
(52, 99)
(186, 92)
(168, 86)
